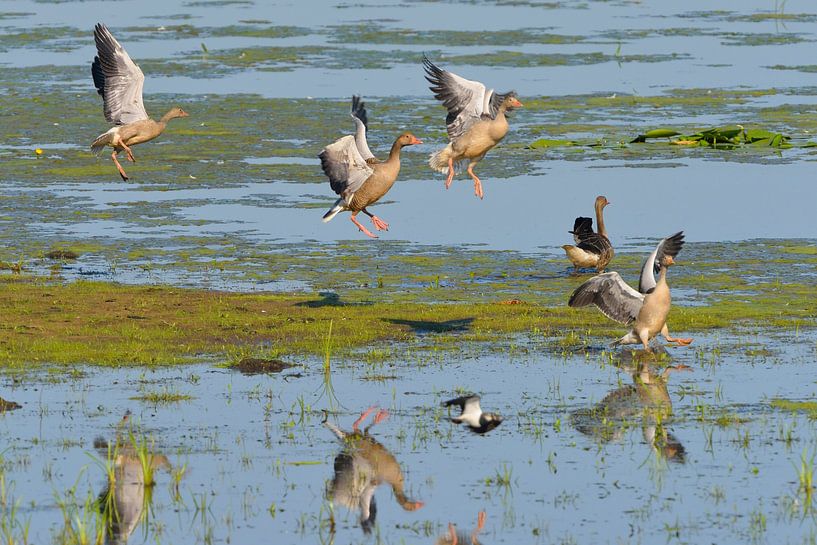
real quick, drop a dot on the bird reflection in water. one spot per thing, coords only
(647, 399)
(126, 499)
(362, 465)
(454, 537)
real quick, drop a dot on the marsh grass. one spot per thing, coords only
(805, 478)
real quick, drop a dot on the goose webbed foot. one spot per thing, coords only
(379, 224)
(450, 173)
(360, 226)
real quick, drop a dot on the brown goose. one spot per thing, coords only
(362, 466)
(476, 120)
(591, 249)
(645, 310)
(119, 80)
(360, 180)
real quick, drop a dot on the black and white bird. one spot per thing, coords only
(471, 414)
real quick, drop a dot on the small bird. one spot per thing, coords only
(646, 310)
(591, 249)
(356, 175)
(476, 120)
(119, 80)
(471, 414)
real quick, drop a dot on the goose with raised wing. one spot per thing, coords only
(645, 310)
(356, 176)
(119, 80)
(592, 249)
(476, 121)
(472, 415)
(645, 403)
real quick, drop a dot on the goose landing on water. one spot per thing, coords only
(362, 465)
(356, 175)
(646, 310)
(471, 414)
(476, 120)
(119, 80)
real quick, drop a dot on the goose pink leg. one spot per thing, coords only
(363, 416)
(477, 182)
(360, 226)
(119, 167)
(450, 173)
(131, 158)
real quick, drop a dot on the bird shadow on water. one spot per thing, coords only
(428, 326)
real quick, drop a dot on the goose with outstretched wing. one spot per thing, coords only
(646, 312)
(356, 176)
(120, 81)
(476, 120)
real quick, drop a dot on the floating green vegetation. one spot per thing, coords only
(720, 138)
(807, 407)
(162, 397)
(520, 59)
(488, 297)
(379, 34)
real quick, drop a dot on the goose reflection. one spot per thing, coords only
(126, 499)
(455, 537)
(646, 399)
(362, 465)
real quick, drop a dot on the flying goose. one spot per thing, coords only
(120, 83)
(645, 310)
(362, 465)
(354, 173)
(471, 414)
(476, 120)
(591, 249)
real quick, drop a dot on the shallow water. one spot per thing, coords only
(254, 446)
(231, 198)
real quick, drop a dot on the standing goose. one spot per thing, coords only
(476, 120)
(119, 80)
(645, 310)
(355, 174)
(591, 249)
(471, 414)
(362, 466)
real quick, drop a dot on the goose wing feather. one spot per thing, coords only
(118, 79)
(343, 165)
(612, 295)
(361, 120)
(669, 246)
(465, 100)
